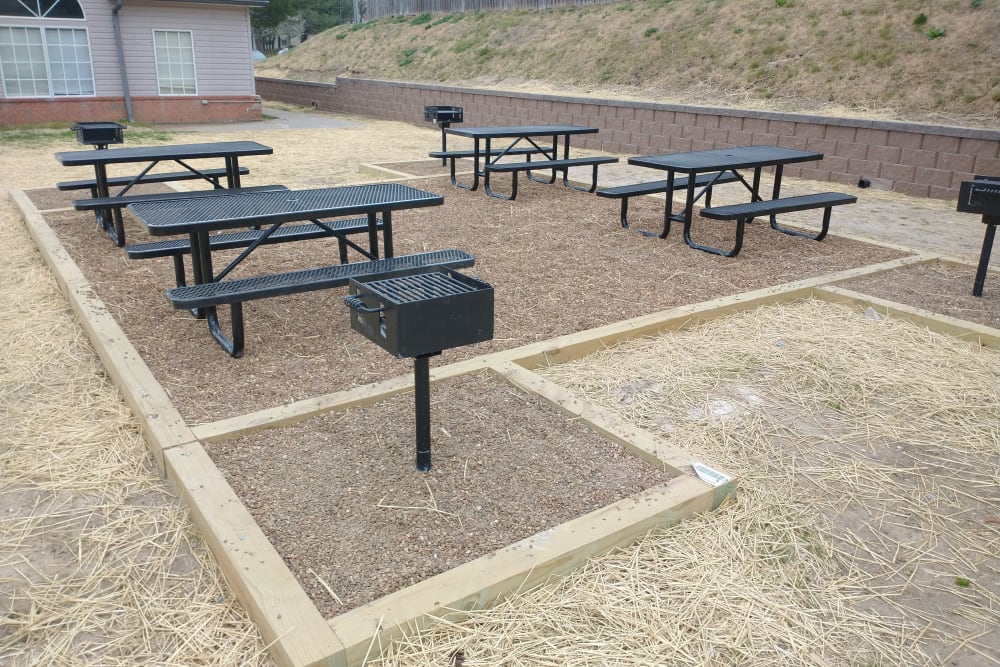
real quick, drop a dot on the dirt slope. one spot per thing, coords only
(900, 59)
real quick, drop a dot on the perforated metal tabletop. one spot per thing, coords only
(167, 152)
(227, 212)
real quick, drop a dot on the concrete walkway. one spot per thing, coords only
(274, 119)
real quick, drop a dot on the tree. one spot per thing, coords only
(265, 20)
(320, 15)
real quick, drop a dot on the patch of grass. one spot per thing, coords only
(406, 57)
(340, 35)
(484, 54)
(934, 32)
(35, 135)
(920, 20)
(773, 49)
(976, 4)
(421, 19)
(463, 45)
(785, 3)
(738, 31)
(650, 32)
(624, 8)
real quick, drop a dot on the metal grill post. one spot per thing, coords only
(422, 402)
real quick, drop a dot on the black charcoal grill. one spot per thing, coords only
(443, 117)
(98, 134)
(419, 314)
(982, 195)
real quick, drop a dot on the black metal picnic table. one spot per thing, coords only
(720, 161)
(110, 219)
(198, 217)
(485, 155)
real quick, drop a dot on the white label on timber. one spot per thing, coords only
(706, 474)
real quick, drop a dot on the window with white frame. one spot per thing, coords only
(175, 62)
(45, 62)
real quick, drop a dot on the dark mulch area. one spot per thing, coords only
(340, 499)
(938, 287)
(557, 258)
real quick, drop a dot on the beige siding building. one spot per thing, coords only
(138, 60)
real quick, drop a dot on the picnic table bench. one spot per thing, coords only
(213, 176)
(623, 192)
(561, 165)
(744, 213)
(178, 248)
(117, 203)
(494, 152)
(234, 292)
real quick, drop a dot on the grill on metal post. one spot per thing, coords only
(444, 117)
(419, 314)
(98, 135)
(982, 195)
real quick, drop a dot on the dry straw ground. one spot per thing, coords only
(866, 531)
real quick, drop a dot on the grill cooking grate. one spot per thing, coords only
(420, 287)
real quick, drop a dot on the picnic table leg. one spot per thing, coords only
(668, 211)
(553, 154)
(109, 219)
(776, 192)
(233, 171)
(475, 167)
(201, 264)
(689, 211)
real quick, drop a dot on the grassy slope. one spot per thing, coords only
(834, 56)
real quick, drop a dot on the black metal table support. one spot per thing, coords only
(984, 255)
(422, 402)
(444, 140)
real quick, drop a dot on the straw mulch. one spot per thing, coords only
(99, 562)
(866, 529)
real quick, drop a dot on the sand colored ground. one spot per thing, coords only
(99, 563)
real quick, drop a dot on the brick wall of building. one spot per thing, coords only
(914, 159)
(144, 110)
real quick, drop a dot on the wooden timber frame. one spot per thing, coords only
(292, 626)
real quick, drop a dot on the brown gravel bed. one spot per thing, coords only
(936, 286)
(557, 258)
(339, 496)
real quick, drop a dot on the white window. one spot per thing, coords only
(45, 62)
(175, 62)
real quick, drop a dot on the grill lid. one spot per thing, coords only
(981, 195)
(440, 114)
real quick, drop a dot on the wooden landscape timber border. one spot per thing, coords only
(297, 634)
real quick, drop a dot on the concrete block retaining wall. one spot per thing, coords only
(915, 159)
